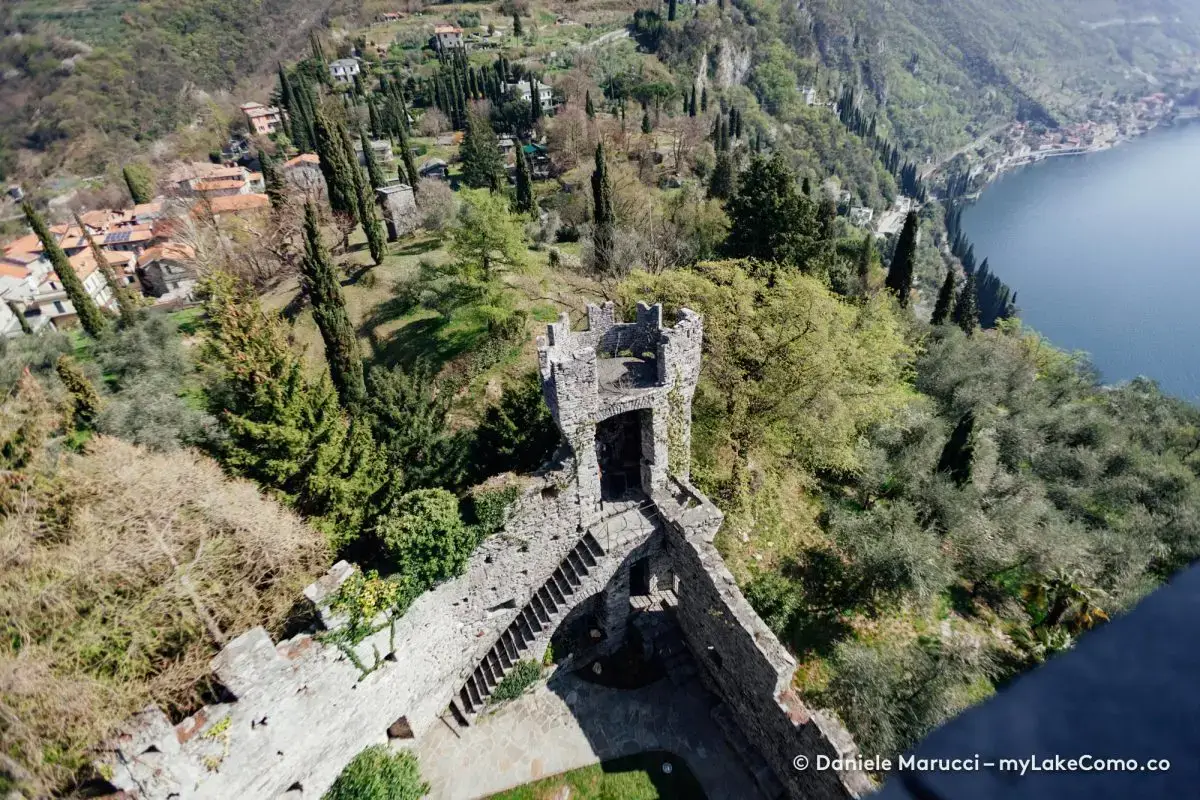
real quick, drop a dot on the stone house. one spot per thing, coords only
(304, 172)
(168, 270)
(344, 69)
(51, 302)
(523, 91)
(400, 211)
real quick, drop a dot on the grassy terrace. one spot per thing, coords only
(638, 777)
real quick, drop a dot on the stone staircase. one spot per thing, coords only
(545, 609)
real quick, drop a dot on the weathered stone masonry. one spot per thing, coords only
(302, 709)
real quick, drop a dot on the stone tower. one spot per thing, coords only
(621, 392)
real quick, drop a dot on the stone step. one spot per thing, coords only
(591, 543)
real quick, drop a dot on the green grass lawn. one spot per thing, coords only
(638, 777)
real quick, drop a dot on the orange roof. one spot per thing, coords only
(255, 176)
(148, 209)
(234, 203)
(202, 170)
(11, 270)
(447, 29)
(29, 243)
(21, 259)
(216, 186)
(85, 263)
(103, 219)
(173, 250)
(303, 158)
(260, 111)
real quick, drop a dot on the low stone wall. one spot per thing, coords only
(741, 659)
(304, 708)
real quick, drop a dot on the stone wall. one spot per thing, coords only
(303, 708)
(741, 659)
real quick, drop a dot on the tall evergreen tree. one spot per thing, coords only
(408, 168)
(126, 305)
(340, 173)
(518, 31)
(671, 10)
(945, 300)
(524, 200)
(588, 107)
(273, 182)
(900, 272)
(720, 185)
(769, 218)
(603, 217)
(139, 182)
(704, 100)
(374, 173)
(535, 102)
(692, 104)
(85, 400)
(329, 310)
(19, 313)
(866, 255)
(88, 313)
(483, 164)
(646, 127)
(966, 311)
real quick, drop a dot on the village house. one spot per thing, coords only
(9, 324)
(436, 169)
(304, 173)
(211, 180)
(860, 216)
(168, 271)
(234, 205)
(344, 69)
(810, 95)
(447, 38)
(382, 149)
(523, 91)
(51, 302)
(262, 120)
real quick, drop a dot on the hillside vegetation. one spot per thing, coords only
(923, 498)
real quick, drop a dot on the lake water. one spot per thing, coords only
(1104, 251)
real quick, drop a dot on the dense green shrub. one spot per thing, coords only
(379, 774)
(426, 537)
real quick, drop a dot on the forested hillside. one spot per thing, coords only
(84, 82)
(947, 72)
(918, 490)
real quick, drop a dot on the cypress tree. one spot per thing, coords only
(85, 400)
(329, 310)
(604, 217)
(137, 179)
(900, 272)
(524, 204)
(19, 313)
(966, 311)
(587, 104)
(373, 119)
(704, 99)
(646, 121)
(720, 185)
(692, 104)
(90, 317)
(518, 31)
(806, 186)
(338, 171)
(272, 180)
(126, 306)
(671, 11)
(866, 254)
(372, 226)
(408, 168)
(945, 300)
(374, 173)
(959, 452)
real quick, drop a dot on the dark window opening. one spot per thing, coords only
(714, 657)
(619, 453)
(400, 729)
(639, 577)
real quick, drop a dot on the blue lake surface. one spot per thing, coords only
(1104, 252)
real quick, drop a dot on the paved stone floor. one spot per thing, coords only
(570, 723)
